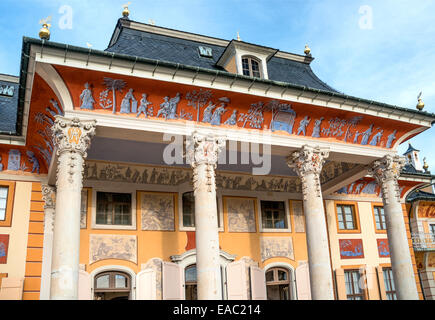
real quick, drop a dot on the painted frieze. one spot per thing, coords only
(157, 211)
(110, 246)
(4, 246)
(241, 214)
(383, 248)
(276, 247)
(351, 248)
(298, 215)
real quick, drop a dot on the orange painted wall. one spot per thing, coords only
(32, 281)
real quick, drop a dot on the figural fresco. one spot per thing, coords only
(276, 247)
(110, 246)
(4, 246)
(206, 108)
(241, 214)
(298, 215)
(157, 211)
(351, 249)
(84, 209)
(383, 248)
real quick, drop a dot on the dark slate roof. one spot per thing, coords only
(410, 149)
(420, 195)
(8, 109)
(160, 47)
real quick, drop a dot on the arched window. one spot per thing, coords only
(112, 285)
(278, 284)
(251, 67)
(190, 282)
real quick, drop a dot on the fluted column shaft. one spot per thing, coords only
(203, 154)
(308, 163)
(72, 138)
(387, 171)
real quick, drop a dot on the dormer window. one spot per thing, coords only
(251, 67)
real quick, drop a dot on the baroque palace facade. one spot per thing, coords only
(180, 166)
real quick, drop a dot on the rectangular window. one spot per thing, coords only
(354, 289)
(346, 217)
(114, 209)
(390, 289)
(3, 202)
(7, 190)
(380, 218)
(273, 215)
(188, 200)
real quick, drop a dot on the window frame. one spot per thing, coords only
(286, 212)
(291, 273)
(361, 274)
(277, 282)
(375, 205)
(190, 283)
(112, 281)
(357, 225)
(113, 189)
(179, 213)
(391, 282)
(7, 222)
(250, 59)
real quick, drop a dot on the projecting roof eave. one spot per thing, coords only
(27, 42)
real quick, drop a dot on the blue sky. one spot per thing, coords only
(390, 62)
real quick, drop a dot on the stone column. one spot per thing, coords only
(72, 138)
(49, 197)
(203, 155)
(387, 171)
(308, 163)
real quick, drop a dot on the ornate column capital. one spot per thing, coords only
(48, 195)
(73, 135)
(204, 149)
(386, 170)
(308, 160)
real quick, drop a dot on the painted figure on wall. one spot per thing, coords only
(87, 99)
(143, 108)
(1, 164)
(208, 112)
(284, 119)
(217, 115)
(14, 161)
(316, 130)
(391, 138)
(34, 161)
(232, 121)
(366, 135)
(376, 138)
(173, 104)
(303, 125)
(125, 104)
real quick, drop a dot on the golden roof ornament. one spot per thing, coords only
(425, 165)
(126, 12)
(44, 33)
(238, 36)
(420, 104)
(307, 50)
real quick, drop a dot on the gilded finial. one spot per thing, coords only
(420, 104)
(307, 50)
(238, 36)
(152, 22)
(44, 33)
(126, 12)
(425, 165)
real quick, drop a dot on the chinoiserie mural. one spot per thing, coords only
(154, 100)
(110, 246)
(4, 246)
(276, 247)
(298, 216)
(157, 211)
(156, 265)
(241, 214)
(383, 248)
(351, 248)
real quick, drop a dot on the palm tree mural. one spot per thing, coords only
(111, 85)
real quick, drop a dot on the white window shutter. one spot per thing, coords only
(84, 286)
(12, 289)
(303, 286)
(146, 287)
(258, 284)
(172, 281)
(236, 281)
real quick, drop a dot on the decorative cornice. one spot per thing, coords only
(73, 135)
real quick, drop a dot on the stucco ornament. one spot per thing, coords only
(387, 170)
(204, 150)
(49, 198)
(308, 160)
